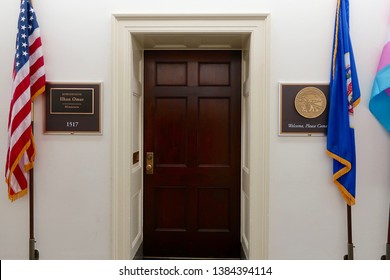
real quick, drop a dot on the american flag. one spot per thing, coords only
(28, 82)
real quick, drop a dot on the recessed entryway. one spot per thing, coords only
(132, 34)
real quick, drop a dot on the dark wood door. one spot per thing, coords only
(192, 124)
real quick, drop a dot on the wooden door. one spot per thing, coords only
(192, 125)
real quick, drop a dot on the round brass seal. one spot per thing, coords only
(310, 102)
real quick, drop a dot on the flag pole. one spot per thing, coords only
(33, 253)
(387, 256)
(349, 256)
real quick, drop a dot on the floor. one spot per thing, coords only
(140, 256)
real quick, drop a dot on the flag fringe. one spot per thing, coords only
(38, 92)
(18, 195)
(356, 103)
(349, 199)
(336, 41)
(27, 167)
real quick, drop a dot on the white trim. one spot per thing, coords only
(127, 29)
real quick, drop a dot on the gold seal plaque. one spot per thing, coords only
(310, 102)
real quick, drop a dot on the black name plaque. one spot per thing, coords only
(73, 108)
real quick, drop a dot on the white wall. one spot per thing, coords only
(307, 218)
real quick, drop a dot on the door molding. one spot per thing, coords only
(131, 34)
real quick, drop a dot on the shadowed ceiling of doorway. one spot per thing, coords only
(192, 41)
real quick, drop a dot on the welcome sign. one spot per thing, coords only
(303, 109)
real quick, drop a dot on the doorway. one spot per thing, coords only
(134, 33)
(192, 135)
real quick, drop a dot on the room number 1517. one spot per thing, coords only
(72, 124)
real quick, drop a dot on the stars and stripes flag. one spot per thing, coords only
(344, 96)
(28, 83)
(380, 94)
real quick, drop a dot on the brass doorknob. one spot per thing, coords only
(149, 163)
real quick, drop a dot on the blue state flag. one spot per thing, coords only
(344, 96)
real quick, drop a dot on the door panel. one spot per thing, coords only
(171, 131)
(192, 124)
(213, 126)
(216, 200)
(173, 217)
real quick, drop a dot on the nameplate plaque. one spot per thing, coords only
(73, 108)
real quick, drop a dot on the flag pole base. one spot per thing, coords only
(33, 253)
(350, 252)
(387, 256)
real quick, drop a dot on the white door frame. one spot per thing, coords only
(130, 33)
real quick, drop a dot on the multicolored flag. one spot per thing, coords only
(380, 94)
(344, 96)
(28, 82)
